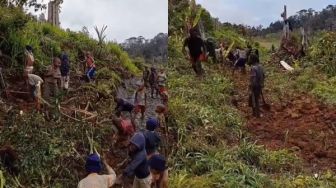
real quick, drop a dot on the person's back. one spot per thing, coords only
(34, 79)
(195, 45)
(258, 76)
(97, 181)
(152, 141)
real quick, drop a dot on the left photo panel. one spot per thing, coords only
(84, 94)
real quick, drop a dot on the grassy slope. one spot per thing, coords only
(214, 149)
(52, 151)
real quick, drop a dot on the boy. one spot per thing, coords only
(52, 79)
(93, 167)
(159, 171)
(257, 78)
(140, 100)
(139, 164)
(90, 66)
(153, 139)
(153, 82)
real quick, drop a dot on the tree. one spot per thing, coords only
(100, 34)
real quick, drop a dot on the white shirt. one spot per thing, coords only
(34, 79)
(98, 181)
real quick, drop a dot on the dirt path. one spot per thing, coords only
(300, 123)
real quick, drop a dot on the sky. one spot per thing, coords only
(124, 18)
(258, 12)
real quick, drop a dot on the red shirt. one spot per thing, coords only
(90, 62)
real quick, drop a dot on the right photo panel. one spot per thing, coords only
(252, 93)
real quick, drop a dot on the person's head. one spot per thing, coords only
(140, 85)
(157, 164)
(193, 32)
(152, 124)
(160, 109)
(87, 54)
(137, 143)
(29, 48)
(152, 69)
(57, 62)
(93, 164)
(254, 59)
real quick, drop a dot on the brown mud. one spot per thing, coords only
(300, 123)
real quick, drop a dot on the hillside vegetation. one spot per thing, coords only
(216, 145)
(50, 151)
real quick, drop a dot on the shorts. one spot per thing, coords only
(91, 72)
(142, 183)
(140, 108)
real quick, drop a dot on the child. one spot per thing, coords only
(93, 167)
(159, 171)
(153, 82)
(52, 79)
(90, 66)
(139, 164)
(153, 139)
(140, 100)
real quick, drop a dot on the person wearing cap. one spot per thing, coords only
(29, 59)
(159, 171)
(93, 167)
(139, 164)
(140, 100)
(153, 139)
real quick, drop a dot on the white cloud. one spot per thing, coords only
(124, 18)
(256, 12)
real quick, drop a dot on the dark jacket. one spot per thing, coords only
(153, 141)
(124, 106)
(139, 164)
(195, 45)
(65, 65)
(257, 76)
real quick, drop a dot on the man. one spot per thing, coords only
(256, 84)
(153, 82)
(65, 71)
(242, 58)
(140, 100)
(197, 50)
(29, 59)
(153, 139)
(93, 167)
(139, 164)
(159, 171)
(33, 83)
(52, 79)
(90, 66)
(161, 80)
(124, 125)
(145, 75)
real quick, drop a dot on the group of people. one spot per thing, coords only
(147, 165)
(197, 49)
(56, 77)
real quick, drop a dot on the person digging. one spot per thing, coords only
(153, 139)
(138, 165)
(197, 51)
(257, 77)
(93, 168)
(34, 83)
